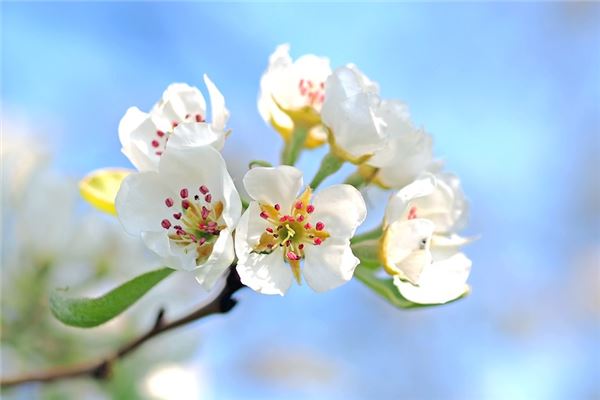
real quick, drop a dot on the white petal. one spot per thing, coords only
(446, 206)
(180, 100)
(264, 273)
(137, 130)
(173, 256)
(406, 247)
(191, 167)
(191, 134)
(218, 262)
(341, 208)
(219, 113)
(274, 185)
(279, 61)
(140, 202)
(329, 265)
(351, 111)
(440, 282)
(398, 204)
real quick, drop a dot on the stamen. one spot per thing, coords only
(412, 213)
(203, 189)
(205, 211)
(183, 193)
(160, 133)
(174, 124)
(299, 205)
(292, 256)
(199, 118)
(177, 215)
(264, 215)
(165, 223)
(208, 198)
(270, 230)
(317, 241)
(310, 208)
(185, 204)
(169, 202)
(320, 226)
(307, 225)
(277, 207)
(155, 143)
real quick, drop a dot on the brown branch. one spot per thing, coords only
(101, 369)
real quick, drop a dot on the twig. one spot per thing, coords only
(101, 369)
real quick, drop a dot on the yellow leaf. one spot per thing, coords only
(100, 187)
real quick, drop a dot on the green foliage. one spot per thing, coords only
(90, 312)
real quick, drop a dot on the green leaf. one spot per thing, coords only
(385, 288)
(90, 312)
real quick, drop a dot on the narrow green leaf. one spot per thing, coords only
(90, 312)
(385, 288)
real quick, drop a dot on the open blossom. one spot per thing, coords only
(178, 118)
(291, 91)
(282, 227)
(408, 152)
(352, 112)
(420, 247)
(185, 212)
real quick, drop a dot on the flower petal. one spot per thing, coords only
(140, 202)
(439, 283)
(446, 206)
(137, 130)
(341, 208)
(405, 248)
(219, 261)
(398, 204)
(274, 185)
(264, 273)
(179, 101)
(191, 167)
(178, 257)
(329, 265)
(191, 134)
(219, 113)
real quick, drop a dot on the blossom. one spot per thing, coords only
(352, 112)
(420, 247)
(185, 212)
(178, 118)
(282, 227)
(292, 92)
(408, 152)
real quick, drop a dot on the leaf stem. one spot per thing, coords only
(330, 164)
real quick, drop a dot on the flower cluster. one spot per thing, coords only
(184, 205)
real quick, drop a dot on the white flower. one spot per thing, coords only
(351, 110)
(408, 152)
(181, 112)
(420, 246)
(281, 227)
(185, 211)
(288, 86)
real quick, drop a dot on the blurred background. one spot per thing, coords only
(511, 94)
